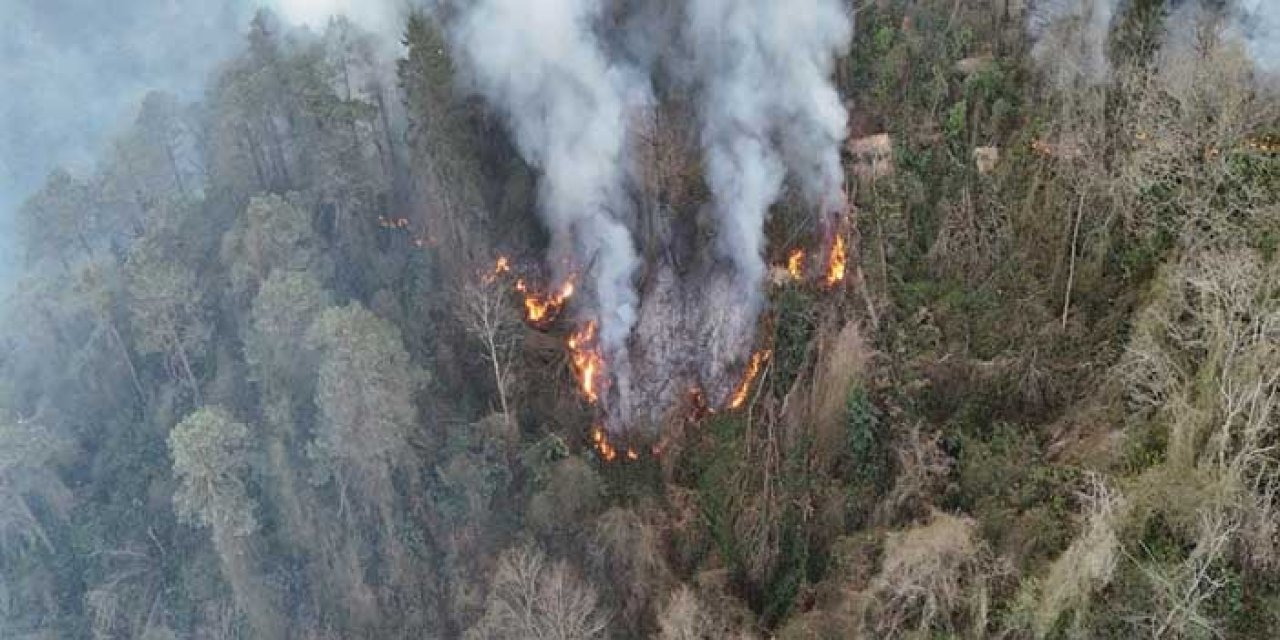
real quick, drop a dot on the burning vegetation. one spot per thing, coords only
(837, 263)
(744, 388)
(588, 364)
(544, 308)
(540, 309)
(701, 455)
(585, 358)
(795, 264)
(607, 451)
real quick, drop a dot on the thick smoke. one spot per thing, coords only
(768, 105)
(541, 64)
(760, 74)
(759, 71)
(768, 109)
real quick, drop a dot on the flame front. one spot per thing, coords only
(588, 364)
(500, 268)
(837, 263)
(607, 450)
(795, 264)
(540, 308)
(740, 395)
(600, 442)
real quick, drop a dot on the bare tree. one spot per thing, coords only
(687, 616)
(1186, 120)
(533, 599)
(1205, 359)
(1088, 564)
(487, 316)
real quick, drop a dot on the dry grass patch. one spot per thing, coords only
(933, 578)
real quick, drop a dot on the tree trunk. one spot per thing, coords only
(258, 167)
(1071, 269)
(188, 372)
(128, 360)
(498, 378)
(173, 166)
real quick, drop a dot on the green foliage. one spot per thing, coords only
(284, 309)
(365, 396)
(210, 460)
(798, 562)
(572, 494)
(1145, 446)
(540, 457)
(467, 484)
(794, 327)
(868, 453)
(1023, 504)
(884, 37)
(32, 495)
(59, 219)
(957, 122)
(231, 253)
(273, 235)
(715, 483)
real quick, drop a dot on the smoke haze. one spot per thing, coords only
(1259, 23)
(1070, 37)
(1079, 29)
(75, 71)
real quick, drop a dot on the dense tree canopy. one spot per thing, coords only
(260, 377)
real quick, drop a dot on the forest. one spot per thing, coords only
(345, 348)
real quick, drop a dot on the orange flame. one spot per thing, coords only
(500, 268)
(740, 395)
(539, 308)
(795, 264)
(600, 442)
(588, 364)
(837, 263)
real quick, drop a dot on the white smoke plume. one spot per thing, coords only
(1070, 39)
(1259, 24)
(1070, 36)
(541, 64)
(760, 75)
(760, 72)
(768, 106)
